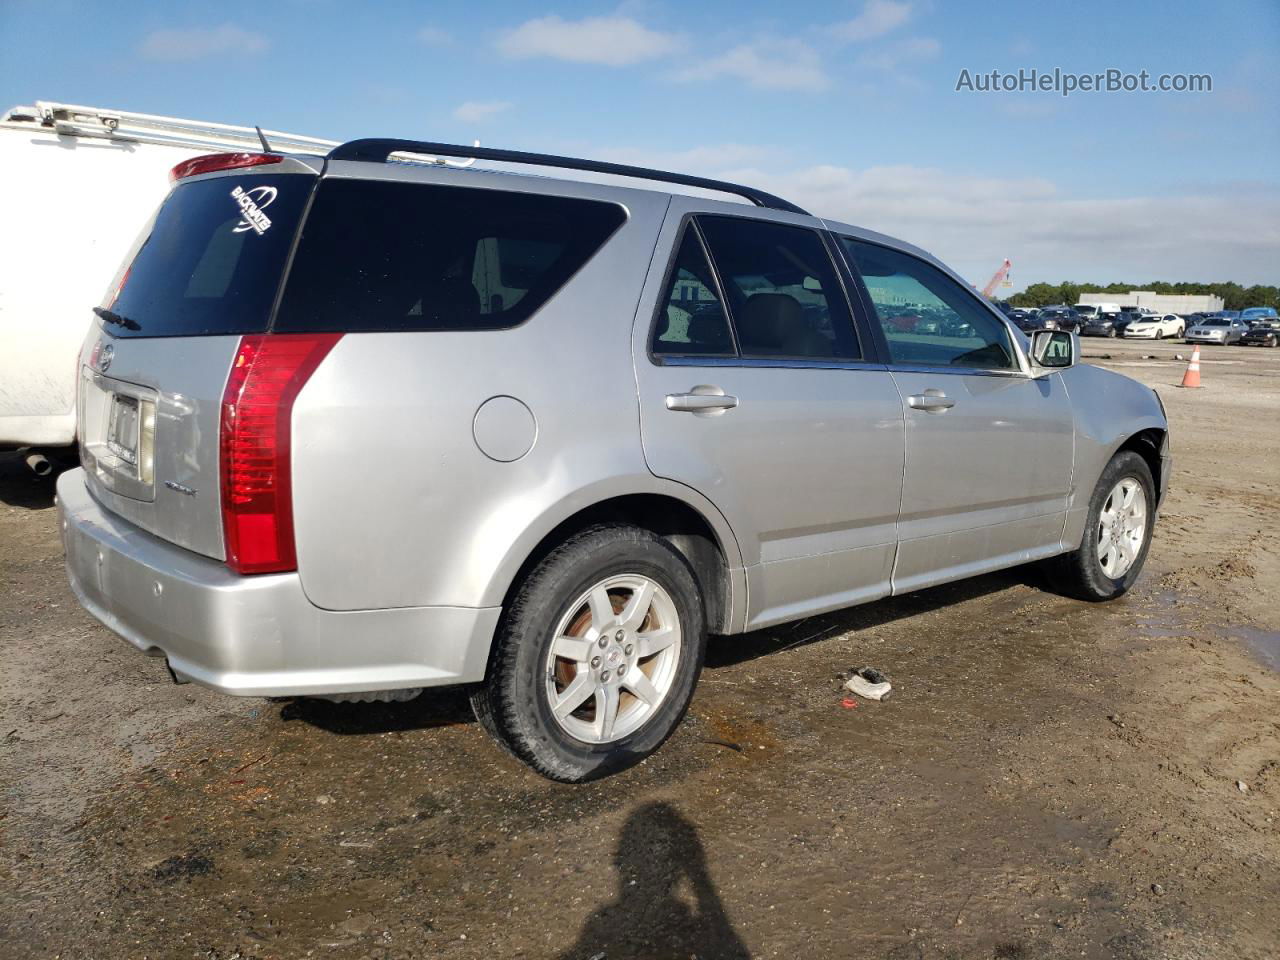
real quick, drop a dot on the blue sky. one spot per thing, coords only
(849, 108)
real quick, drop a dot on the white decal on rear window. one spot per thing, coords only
(252, 202)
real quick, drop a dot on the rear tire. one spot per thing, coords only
(558, 641)
(1113, 552)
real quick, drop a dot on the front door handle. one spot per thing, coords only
(699, 402)
(931, 401)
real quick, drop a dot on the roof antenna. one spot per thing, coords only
(266, 147)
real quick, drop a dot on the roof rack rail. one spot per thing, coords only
(378, 150)
(122, 125)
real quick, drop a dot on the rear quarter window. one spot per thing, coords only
(394, 256)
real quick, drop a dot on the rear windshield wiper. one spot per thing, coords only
(110, 316)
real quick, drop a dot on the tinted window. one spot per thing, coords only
(692, 320)
(377, 255)
(783, 294)
(211, 259)
(926, 316)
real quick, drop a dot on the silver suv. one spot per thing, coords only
(358, 425)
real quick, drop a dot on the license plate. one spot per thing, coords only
(122, 428)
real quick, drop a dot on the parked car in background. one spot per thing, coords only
(1027, 320)
(1090, 311)
(1063, 317)
(1156, 328)
(1264, 333)
(1219, 330)
(1252, 315)
(1102, 325)
(560, 543)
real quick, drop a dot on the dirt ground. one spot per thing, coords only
(1050, 778)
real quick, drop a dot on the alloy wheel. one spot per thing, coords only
(613, 659)
(1122, 528)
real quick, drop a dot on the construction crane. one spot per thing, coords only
(1001, 279)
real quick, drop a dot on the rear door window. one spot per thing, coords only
(211, 259)
(394, 256)
(783, 293)
(692, 321)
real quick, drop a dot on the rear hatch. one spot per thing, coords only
(205, 270)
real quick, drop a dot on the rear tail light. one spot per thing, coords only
(257, 491)
(220, 161)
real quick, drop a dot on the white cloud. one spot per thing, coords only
(904, 53)
(722, 156)
(877, 18)
(779, 64)
(973, 222)
(613, 41)
(197, 43)
(478, 111)
(434, 37)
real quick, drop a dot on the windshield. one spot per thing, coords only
(210, 260)
(1215, 323)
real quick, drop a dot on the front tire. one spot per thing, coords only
(597, 655)
(1117, 532)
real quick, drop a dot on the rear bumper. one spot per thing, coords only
(259, 635)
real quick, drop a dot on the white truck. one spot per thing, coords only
(80, 182)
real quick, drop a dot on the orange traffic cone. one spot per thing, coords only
(1192, 377)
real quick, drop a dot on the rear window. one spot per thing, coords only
(387, 256)
(210, 260)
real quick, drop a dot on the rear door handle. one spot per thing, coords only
(700, 402)
(931, 401)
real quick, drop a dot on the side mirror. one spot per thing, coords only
(1053, 348)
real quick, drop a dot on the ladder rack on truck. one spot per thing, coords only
(122, 125)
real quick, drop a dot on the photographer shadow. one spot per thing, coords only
(666, 904)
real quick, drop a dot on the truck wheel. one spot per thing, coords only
(1117, 533)
(597, 655)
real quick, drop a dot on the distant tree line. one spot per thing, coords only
(1234, 296)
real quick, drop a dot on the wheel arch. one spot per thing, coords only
(1148, 444)
(678, 514)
